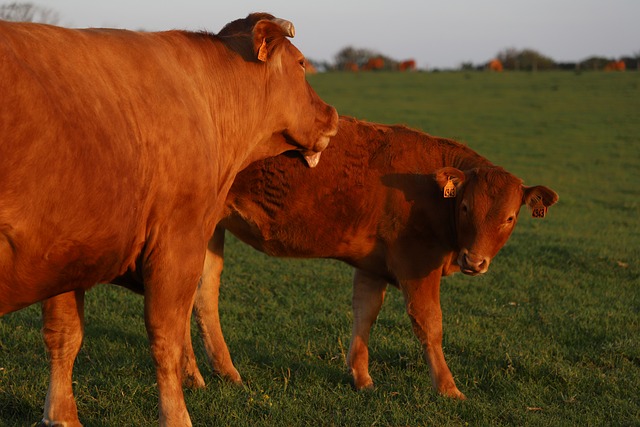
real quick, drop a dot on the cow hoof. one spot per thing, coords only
(460, 396)
(364, 385)
(454, 393)
(193, 381)
(366, 388)
(47, 423)
(232, 377)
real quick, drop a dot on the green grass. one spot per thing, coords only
(550, 336)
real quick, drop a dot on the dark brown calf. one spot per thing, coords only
(378, 202)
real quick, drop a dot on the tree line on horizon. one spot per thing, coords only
(511, 59)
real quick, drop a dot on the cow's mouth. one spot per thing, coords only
(312, 156)
(472, 264)
(471, 272)
(312, 159)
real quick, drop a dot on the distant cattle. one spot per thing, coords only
(351, 66)
(117, 150)
(495, 65)
(408, 65)
(374, 64)
(403, 207)
(615, 66)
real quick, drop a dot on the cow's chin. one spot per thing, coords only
(472, 272)
(311, 155)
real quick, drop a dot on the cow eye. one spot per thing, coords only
(510, 220)
(301, 62)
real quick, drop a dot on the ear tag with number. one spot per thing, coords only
(449, 190)
(539, 210)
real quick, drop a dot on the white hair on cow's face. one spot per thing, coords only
(275, 61)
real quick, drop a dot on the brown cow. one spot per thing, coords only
(408, 65)
(616, 66)
(351, 66)
(495, 65)
(376, 202)
(117, 150)
(380, 208)
(374, 64)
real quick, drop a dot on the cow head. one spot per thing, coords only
(487, 204)
(297, 109)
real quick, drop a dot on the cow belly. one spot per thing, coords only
(36, 265)
(62, 275)
(297, 240)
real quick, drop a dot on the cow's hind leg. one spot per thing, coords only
(368, 296)
(63, 326)
(191, 376)
(206, 310)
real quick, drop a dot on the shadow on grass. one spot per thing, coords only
(18, 408)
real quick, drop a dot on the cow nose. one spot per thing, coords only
(473, 264)
(476, 262)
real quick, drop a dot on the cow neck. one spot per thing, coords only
(464, 158)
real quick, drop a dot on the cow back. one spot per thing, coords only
(374, 186)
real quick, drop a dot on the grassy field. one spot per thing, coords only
(549, 336)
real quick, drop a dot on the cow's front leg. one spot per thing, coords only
(170, 285)
(422, 299)
(367, 299)
(63, 327)
(206, 310)
(192, 378)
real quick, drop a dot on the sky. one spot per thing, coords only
(437, 34)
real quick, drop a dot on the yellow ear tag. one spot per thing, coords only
(262, 52)
(539, 210)
(449, 190)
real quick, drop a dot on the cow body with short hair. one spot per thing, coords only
(117, 150)
(376, 203)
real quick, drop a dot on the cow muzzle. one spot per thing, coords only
(312, 157)
(472, 264)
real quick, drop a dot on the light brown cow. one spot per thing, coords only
(351, 66)
(117, 150)
(408, 65)
(380, 207)
(616, 66)
(374, 64)
(376, 202)
(495, 65)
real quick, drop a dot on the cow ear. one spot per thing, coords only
(266, 35)
(444, 175)
(539, 194)
(538, 199)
